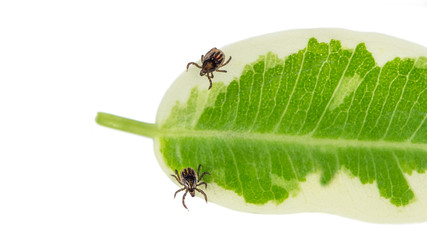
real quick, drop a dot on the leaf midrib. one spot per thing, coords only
(304, 140)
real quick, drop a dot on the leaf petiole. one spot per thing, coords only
(127, 125)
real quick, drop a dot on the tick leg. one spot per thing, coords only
(222, 65)
(176, 178)
(203, 183)
(183, 199)
(197, 65)
(178, 192)
(203, 174)
(204, 194)
(210, 81)
(221, 71)
(201, 59)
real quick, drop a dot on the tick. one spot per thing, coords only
(211, 62)
(190, 180)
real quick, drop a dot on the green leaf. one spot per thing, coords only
(324, 115)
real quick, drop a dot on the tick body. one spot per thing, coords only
(190, 180)
(212, 61)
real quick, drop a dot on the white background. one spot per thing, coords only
(64, 177)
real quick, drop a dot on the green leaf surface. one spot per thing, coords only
(319, 110)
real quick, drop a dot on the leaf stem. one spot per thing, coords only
(127, 125)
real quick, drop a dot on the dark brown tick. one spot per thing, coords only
(211, 62)
(190, 180)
